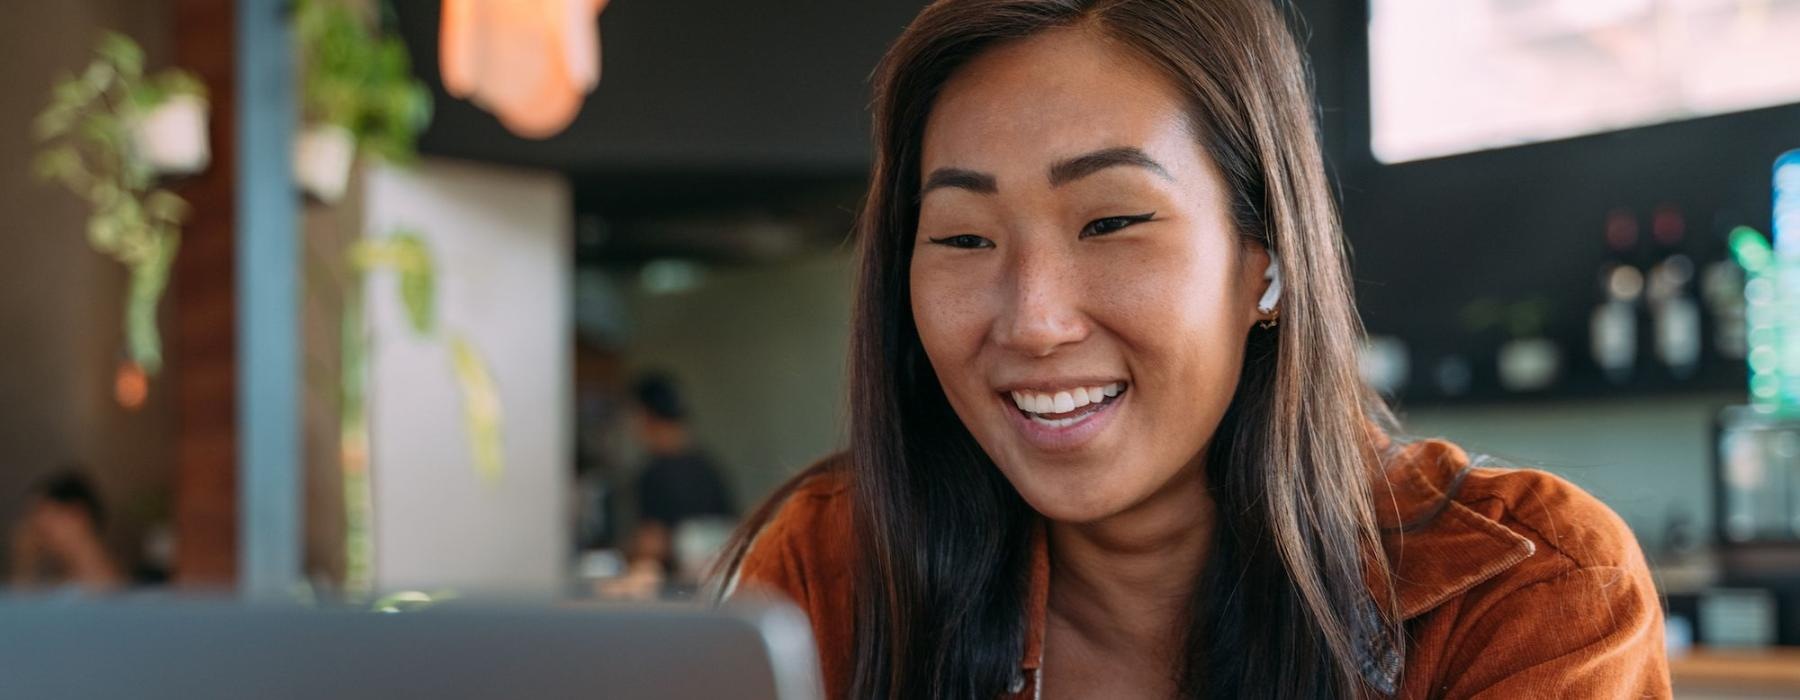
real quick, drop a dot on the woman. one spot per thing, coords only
(1107, 433)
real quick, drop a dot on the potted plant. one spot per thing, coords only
(108, 134)
(358, 95)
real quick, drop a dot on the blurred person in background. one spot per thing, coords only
(57, 544)
(599, 410)
(680, 491)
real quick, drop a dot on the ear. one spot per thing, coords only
(1272, 284)
(1262, 279)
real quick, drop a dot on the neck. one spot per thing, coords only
(1125, 583)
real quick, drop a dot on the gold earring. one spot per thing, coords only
(1274, 318)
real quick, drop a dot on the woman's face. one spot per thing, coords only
(1076, 279)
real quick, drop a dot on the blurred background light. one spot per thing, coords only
(530, 62)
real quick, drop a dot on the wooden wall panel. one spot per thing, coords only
(204, 346)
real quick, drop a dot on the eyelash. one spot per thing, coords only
(967, 241)
(1124, 222)
(1111, 224)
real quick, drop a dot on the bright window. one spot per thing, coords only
(1454, 76)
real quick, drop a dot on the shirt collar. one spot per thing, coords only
(1037, 599)
(1437, 546)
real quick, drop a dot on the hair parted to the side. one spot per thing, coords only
(1286, 608)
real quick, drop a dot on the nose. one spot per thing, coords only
(1043, 303)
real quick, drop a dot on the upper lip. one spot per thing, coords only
(1048, 385)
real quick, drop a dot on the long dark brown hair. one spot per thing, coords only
(1288, 607)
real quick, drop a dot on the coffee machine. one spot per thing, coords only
(1756, 478)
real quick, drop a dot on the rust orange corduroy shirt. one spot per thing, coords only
(1524, 586)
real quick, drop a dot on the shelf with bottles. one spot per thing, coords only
(1665, 315)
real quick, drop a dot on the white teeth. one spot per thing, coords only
(1065, 401)
(1060, 422)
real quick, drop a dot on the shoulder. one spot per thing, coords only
(802, 551)
(1556, 525)
(1569, 528)
(1522, 581)
(1586, 566)
(1455, 530)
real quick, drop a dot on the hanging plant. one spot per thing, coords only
(358, 96)
(406, 255)
(107, 135)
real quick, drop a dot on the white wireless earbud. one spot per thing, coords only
(1273, 275)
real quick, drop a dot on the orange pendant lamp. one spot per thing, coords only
(529, 62)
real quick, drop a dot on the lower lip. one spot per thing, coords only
(1064, 438)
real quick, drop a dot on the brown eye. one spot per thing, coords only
(966, 240)
(1111, 224)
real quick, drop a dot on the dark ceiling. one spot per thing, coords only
(720, 87)
(709, 113)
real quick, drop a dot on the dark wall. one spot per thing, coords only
(1432, 236)
(708, 86)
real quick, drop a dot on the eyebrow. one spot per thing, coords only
(1084, 165)
(1063, 172)
(959, 178)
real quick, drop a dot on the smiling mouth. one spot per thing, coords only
(1061, 409)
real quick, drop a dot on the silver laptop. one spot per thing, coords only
(755, 651)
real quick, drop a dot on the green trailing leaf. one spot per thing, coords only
(406, 255)
(164, 206)
(105, 197)
(418, 283)
(69, 92)
(175, 83)
(57, 164)
(98, 78)
(361, 255)
(482, 417)
(165, 87)
(148, 280)
(103, 133)
(103, 233)
(54, 121)
(135, 233)
(353, 439)
(121, 54)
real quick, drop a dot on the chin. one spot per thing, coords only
(1072, 499)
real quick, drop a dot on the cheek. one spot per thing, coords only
(1171, 298)
(1176, 311)
(949, 313)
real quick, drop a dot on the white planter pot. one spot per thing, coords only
(173, 137)
(322, 158)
